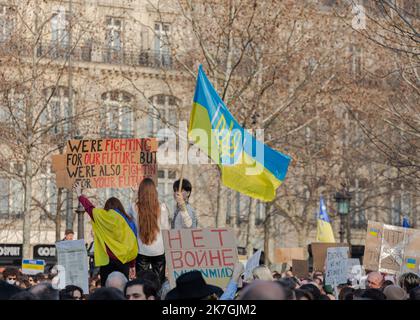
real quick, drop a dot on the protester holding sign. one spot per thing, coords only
(114, 235)
(151, 218)
(184, 215)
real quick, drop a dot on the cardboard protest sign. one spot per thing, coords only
(212, 251)
(411, 260)
(319, 253)
(286, 255)
(336, 266)
(300, 268)
(106, 163)
(392, 249)
(252, 263)
(33, 267)
(72, 258)
(373, 245)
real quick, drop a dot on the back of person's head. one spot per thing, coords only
(148, 287)
(303, 295)
(150, 276)
(415, 293)
(409, 281)
(186, 186)
(45, 291)
(346, 293)
(393, 292)
(262, 290)
(276, 275)
(262, 273)
(7, 290)
(116, 280)
(106, 294)
(324, 297)
(24, 295)
(373, 294)
(148, 208)
(39, 277)
(71, 292)
(387, 283)
(313, 289)
(287, 288)
(115, 204)
(289, 282)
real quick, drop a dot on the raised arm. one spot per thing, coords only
(84, 200)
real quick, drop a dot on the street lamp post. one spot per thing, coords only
(343, 207)
(80, 212)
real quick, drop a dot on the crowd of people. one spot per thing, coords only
(263, 285)
(128, 254)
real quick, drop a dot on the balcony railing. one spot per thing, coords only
(87, 53)
(56, 50)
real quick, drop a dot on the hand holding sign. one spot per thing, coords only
(238, 270)
(77, 188)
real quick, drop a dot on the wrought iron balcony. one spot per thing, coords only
(120, 56)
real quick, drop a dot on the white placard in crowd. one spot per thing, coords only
(336, 266)
(355, 270)
(72, 256)
(252, 263)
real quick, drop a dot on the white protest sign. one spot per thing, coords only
(336, 266)
(252, 263)
(354, 269)
(72, 256)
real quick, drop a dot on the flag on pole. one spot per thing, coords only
(247, 165)
(324, 229)
(406, 222)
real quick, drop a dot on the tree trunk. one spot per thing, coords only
(221, 205)
(267, 239)
(30, 103)
(250, 239)
(26, 237)
(58, 216)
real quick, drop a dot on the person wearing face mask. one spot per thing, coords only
(184, 215)
(10, 275)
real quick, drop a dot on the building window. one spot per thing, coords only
(117, 115)
(12, 192)
(162, 44)
(395, 210)
(57, 114)
(7, 21)
(124, 195)
(60, 28)
(162, 114)
(4, 196)
(260, 214)
(13, 108)
(242, 207)
(356, 61)
(359, 212)
(113, 39)
(166, 178)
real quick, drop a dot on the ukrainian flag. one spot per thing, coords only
(324, 229)
(247, 165)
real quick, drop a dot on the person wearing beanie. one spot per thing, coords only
(393, 292)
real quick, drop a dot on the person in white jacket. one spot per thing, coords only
(151, 218)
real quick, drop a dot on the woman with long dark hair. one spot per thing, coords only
(151, 218)
(115, 236)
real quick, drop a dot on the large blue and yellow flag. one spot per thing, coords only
(247, 165)
(324, 229)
